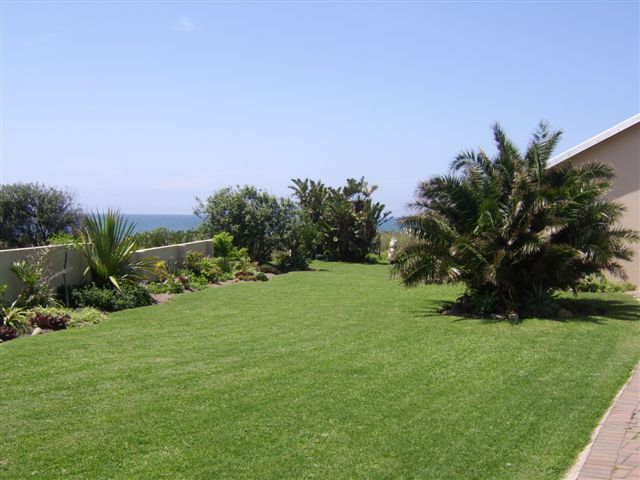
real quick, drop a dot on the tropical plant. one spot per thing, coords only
(30, 213)
(346, 218)
(14, 317)
(36, 278)
(512, 229)
(109, 245)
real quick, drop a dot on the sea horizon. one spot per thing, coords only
(143, 222)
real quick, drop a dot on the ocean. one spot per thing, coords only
(144, 222)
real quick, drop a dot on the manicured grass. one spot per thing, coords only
(338, 373)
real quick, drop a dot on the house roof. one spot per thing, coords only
(601, 137)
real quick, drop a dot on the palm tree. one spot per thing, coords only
(109, 244)
(512, 229)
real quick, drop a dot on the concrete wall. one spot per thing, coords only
(623, 152)
(174, 255)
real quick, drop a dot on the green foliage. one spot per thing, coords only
(109, 244)
(346, 219)
(511, 229)
(109, 299)
(261, 277)
(255, 219)
(223, 245)
(15, 317)
(65, 239)
(35, 276)
(170, 285)
(30, 213)
(161, 236)
(86, 316)
(245, 276)
(599, 283)
(201, 265)
(191, 280)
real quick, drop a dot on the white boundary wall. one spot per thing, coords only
(174, 255)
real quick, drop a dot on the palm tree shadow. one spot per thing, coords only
(596, 311)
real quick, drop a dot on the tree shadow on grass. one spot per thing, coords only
(590, 310)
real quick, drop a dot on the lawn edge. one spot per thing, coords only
(574, 472)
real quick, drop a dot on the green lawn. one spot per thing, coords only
(337, 373)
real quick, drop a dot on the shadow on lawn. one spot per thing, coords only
(585, 310)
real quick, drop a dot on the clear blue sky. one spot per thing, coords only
(142, 106)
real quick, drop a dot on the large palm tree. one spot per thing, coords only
(512, 229)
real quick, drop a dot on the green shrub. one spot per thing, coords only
(207, 267)
(109, 299)
(33, 212)
(223, 245)
(86, 316)
(35, 276)
(599, 283)
(245, 276)
(170, 285)
(15, 317)
(268, 268)
(261, 277)
(192, 281)
(159, 237)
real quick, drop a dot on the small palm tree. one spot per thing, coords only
(512, 229)
(108, 246)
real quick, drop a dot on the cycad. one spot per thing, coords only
(508, 225)
(109, 244)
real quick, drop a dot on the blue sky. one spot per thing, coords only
(142, 106)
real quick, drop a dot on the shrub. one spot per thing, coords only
(599, 283)
(255, 219)
(109, 299)
(109, 244)
(32, 212)
(346, 219)
(261, 277)
(192, 281)
(50, 320)
(161, 236)
(86, 316)
(202, 265)
(170, 285)
(8, 333)
(35, 277)
(14, 317)
(245, 276)
(268, 268)
(513, 230)
(223, 245)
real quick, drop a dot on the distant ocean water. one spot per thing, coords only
(146, 222)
